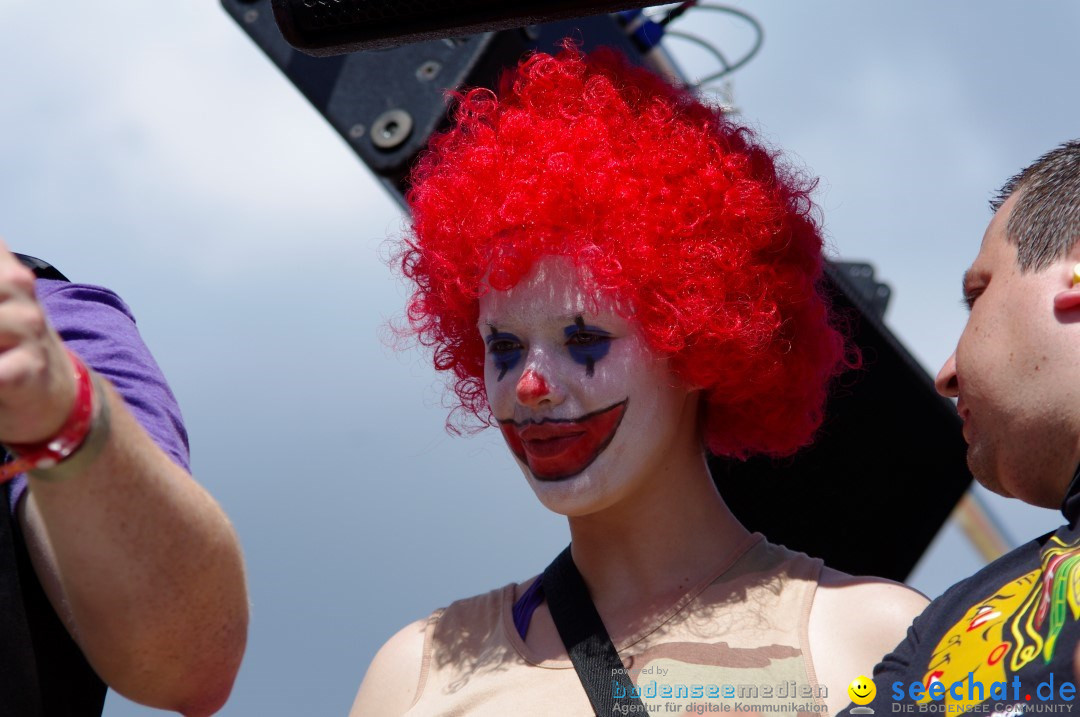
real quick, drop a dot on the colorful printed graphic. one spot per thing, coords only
(1019, 623)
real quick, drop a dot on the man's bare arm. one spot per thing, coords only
(137, 559)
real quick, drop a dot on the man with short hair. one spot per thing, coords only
(1002, 641)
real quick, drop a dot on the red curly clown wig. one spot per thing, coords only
(663, 203)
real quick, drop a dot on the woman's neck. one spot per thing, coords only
(640, 555)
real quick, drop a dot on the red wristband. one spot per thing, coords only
(48, 453)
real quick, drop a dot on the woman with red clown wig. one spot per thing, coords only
(619, 278)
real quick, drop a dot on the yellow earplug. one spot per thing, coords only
(1076, 275)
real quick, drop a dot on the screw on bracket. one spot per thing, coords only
(391, 129)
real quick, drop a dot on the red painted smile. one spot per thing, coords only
(555, 449)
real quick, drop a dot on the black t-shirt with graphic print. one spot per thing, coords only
(1000, 641)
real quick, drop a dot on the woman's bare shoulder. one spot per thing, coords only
(863, 598)
(392, 681)
(854, 622)
(396, 676)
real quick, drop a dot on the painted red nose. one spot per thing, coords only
(531, 388)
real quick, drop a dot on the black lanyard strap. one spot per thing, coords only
(587, 641)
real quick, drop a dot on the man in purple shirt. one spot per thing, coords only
(116, 567)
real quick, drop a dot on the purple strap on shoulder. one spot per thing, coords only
(526, 605)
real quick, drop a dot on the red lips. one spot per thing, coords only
(555, 449)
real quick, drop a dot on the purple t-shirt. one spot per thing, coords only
(98, 326)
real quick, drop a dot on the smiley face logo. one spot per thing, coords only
(861, 690)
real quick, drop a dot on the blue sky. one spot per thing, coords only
(154, 149)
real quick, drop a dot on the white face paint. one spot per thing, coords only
(587, 408)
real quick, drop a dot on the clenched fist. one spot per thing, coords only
(37, 383)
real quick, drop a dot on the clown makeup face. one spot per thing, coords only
(588, 410)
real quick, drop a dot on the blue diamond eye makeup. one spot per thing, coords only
(587, 344)
(505, 349)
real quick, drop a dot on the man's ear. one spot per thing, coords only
(1069, 300)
